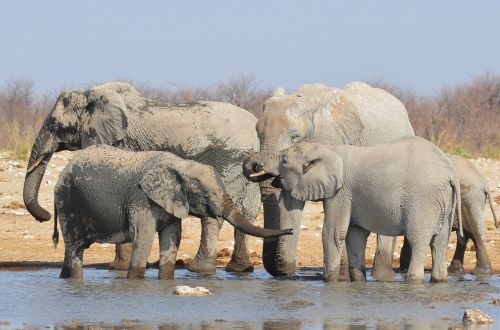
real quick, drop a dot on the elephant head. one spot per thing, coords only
(318, 113)
(311, 171)
(77, 120)
(198, 190)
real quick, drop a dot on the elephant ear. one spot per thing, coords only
(104, 120)
(344, 123)
(323, 176)
(165, 189)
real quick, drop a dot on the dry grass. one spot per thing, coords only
(463, 119)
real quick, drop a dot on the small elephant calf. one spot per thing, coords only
(408, 187)
(109, 195)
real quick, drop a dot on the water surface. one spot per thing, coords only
(38, 298)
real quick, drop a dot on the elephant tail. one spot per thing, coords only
(457, 205)
(492, 209)
(55, 235)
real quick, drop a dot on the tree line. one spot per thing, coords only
(462, 119)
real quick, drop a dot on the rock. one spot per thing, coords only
(18, 212)
(496, 302)
(184, 290)
(476, 316)
(302, 227)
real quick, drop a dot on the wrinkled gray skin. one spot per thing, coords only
(474, 194)
(217, 134)
(109, 195)
(356, 115)
(406, 187)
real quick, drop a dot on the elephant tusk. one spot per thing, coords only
(253, 175)
(35, 164)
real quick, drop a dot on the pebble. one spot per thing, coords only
(303, 227)
(476, 316)
(184, 290)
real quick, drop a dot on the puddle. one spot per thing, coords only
(107, 299)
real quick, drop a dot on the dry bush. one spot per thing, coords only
(462, 120)
(22, 111)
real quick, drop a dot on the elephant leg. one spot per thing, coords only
(73, 262)
(337, 217)
(205, 259)
(457, 263)
(483, 264)
(416, 269)
(141, 247)
(439, 247)
(405, 256)
(122, 257)
(170, 239)
(382, 265)
(240, 260)
(356, 246)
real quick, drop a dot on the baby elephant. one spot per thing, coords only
(109, 195)
(408, 187)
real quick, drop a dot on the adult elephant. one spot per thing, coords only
(357, 115)
(217, 134)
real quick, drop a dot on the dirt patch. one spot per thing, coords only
(296, 305)
(26, 240)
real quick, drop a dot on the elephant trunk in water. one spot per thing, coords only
(39, 158)
(234, 217)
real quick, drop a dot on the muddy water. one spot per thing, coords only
(38, 298)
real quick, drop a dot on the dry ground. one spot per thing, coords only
(23, 239)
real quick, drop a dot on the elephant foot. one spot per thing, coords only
(357, 274)
(136, 273)
(413, 279)
(239, 267)
(482, 270)
(383, 274)
(456, 267)
(439, 279)
(119, 265)
(166, 271)
(198, 265)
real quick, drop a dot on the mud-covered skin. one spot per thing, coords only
(356, 115)
(474, 194)
(217, 134)
(407, 187)
(109, 195)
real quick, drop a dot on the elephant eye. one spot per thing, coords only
(295, 136)
(307, 167)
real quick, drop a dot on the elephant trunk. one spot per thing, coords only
(235, 218)
(39, 158)
(279, 254)
(258, 168)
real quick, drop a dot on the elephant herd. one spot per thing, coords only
(145, 165)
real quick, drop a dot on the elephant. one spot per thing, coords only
(213, 133)
(474, 194)
(407, 187)
(356, 115)
(109, 195)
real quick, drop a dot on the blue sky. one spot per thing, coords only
(422, 45)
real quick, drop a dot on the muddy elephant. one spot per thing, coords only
(474, 194)
(407, 187)
(213, 133)
(356, 115)
(109, 195)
